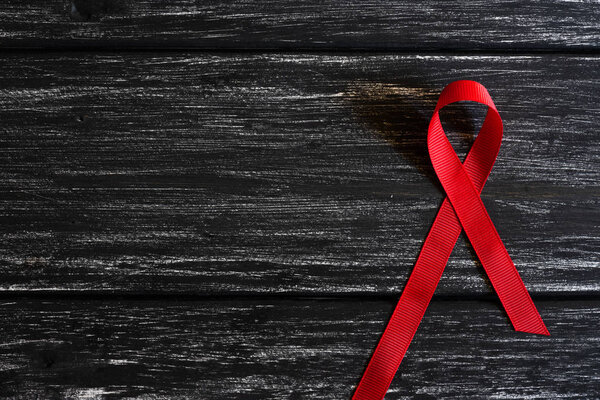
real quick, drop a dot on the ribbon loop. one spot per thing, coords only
(462, 209)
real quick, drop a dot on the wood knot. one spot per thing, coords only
(92, 10)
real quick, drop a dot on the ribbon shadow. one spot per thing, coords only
(400, 115)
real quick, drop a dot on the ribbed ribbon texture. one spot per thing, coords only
(461, 209)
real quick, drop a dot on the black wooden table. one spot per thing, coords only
(224, 200)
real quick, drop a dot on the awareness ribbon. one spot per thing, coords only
(461, 209)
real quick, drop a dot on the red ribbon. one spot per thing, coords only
(462, 209)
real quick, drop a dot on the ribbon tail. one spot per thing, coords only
(411, 307)
(538, 331)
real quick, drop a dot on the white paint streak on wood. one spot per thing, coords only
(285, 173)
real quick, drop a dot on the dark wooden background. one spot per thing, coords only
(224, 200)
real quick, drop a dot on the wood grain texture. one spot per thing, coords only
(288, 349)
(158, 210)
(298, 174)
(285, 24)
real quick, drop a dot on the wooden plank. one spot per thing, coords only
(238, 173)
(292, 349)
(287, 24)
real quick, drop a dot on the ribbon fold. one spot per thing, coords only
(461, 209)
